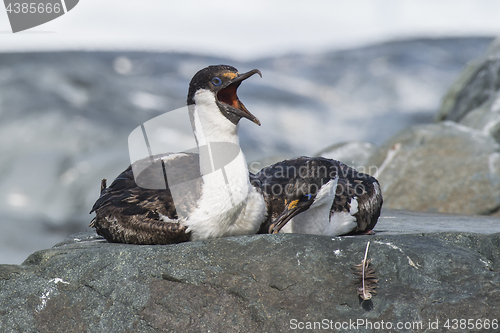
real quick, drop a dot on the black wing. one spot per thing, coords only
(128, 213)
(367, 191)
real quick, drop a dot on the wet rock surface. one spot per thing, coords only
(261, 282)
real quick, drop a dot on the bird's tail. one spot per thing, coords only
(103, 185)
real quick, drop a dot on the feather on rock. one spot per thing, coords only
(367, 279)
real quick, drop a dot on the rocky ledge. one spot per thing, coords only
(266, 283)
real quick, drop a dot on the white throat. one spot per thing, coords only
(208, 122)
(229, 205)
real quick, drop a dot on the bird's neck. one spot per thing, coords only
(217, 140)
(208, 122)
(312, 221)
(316, 219)
(229, 204)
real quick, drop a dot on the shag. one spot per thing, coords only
(315, 195)
(202, 198)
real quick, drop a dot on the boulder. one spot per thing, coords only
(352, 153)
(474, 99)
(266, 283)
(444, 167)
(452, 166)
(259, 164)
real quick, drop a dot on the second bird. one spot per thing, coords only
(315, 195)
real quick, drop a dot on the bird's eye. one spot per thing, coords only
(216, 81)
(306, 197)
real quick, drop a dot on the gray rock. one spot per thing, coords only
(353, 153)
(257, 165)
(444, 167)
(474, 99)
(266, 283)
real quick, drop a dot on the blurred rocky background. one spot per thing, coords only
(66, 116)
(452, 166)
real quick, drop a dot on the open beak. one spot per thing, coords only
(228, 100)
(292, 209)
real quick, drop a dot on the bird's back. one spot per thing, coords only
(273, 181)
(366, 190)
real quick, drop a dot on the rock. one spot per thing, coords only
(353, 153)
(257, 165)
(444, 167)
(266, 283)
(452, 166)
(474, 99)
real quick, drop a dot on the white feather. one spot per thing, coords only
(315, 219)
(354, 206)
(318, 220)
(341, 223)
(326, 193)
(229, 204)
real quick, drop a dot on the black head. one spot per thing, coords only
(313, 182)
(223, 81)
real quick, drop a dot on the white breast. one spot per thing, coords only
(228, 204)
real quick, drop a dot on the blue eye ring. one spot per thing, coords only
(216, 81)
(306, 197)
